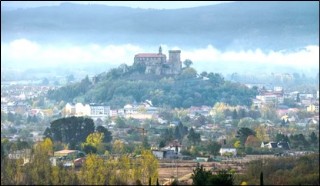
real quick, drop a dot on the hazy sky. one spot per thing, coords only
(133, 4)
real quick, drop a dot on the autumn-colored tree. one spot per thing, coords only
(124, 169)
(94, 140)
(218, 111)
(237, 144)
(11, 172)
(112, 167)
(146, 167)
(39, 170)
(261, 133)
(63, 176)
(94, 171)
(118, 147)
(252, 141)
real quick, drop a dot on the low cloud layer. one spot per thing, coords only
(24, 53)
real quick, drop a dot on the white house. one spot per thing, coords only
(164, 154)
(228, 150)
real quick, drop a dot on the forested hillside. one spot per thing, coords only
(127, 84)
(239, 25)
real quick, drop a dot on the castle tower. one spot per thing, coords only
(174, 61)
(160, 50)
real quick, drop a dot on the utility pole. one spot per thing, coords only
(141, 130)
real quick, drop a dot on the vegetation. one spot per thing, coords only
(201, 176)
(127, 84)
(96, 170)
(284, 171)
(72, 130)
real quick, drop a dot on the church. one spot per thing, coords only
(157, 63)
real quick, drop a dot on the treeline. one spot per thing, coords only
(127, 84)
(97, 170)
(303, 170)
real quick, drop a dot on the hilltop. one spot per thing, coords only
(129, 84)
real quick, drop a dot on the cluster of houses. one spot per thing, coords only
(171, 151)
(144, 110)
(276, 145)
(277, 95)
(68, 158)
(13, 97)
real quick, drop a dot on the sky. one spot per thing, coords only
(133, 4)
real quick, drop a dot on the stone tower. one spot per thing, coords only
(174, 61)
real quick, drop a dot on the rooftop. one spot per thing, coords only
(150, 55)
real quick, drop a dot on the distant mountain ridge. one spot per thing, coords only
(237, 25)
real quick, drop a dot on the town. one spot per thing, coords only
(159, 93)
(277, 124)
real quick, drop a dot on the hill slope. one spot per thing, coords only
(119, 87)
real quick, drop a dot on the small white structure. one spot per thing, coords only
(164, 154)
(228, 150)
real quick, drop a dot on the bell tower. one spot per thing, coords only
(160, 50)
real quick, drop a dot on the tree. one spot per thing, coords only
(247, 122)
(187, 63)
(252, 141)
(193, 136)
(167, 135)
(204, 74)
(124, 169)
(45, 81)
(89, 148)
(313, 139)
(222, 178)
(298, 98)
(145, 143)
(261, 133)
(120, 122)
(237, 144)
(269, 112)
(214, 148)
(93, 171)
(261, 178)
(299, 141)
(70, 78)
(216, 79)
(188, 73)
(281, 137)
(94, 143)
(180, 131)
(218, 111)
(201, 176)
(148, 168)
(39, 170)
(95, 138)
(162, 144)
(118, 147)
(72, 130)
(243, 134)
(234, 114)
(107, 134)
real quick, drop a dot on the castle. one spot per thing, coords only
(156, 63)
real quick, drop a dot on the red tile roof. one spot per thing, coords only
(149, 55)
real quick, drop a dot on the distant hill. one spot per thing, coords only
(127, 84)
(237, 25)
